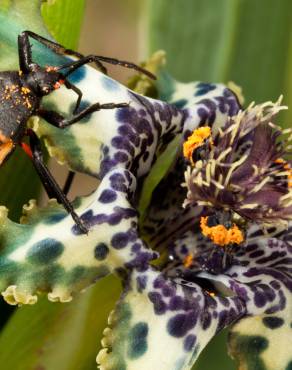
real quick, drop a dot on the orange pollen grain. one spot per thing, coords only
(195, 140)
(220, 235)
(25, 90)
(27, 103)
(188, 260)
(51, 68)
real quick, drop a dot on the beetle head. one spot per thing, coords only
(45, 80)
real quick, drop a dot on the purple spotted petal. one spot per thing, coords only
(163, 316)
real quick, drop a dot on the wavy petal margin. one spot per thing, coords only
(163, 324)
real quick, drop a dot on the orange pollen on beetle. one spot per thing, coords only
(195, 140)
(27, 103)
(25, 90)
(286, 167)
(51, 68)
(188, 260)
(58, 84)
(220, 235)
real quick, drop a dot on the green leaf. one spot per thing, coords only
(215, 353)
(56, 336)
(157, 172)
(246, 41)
(64, 20)
(15, 17)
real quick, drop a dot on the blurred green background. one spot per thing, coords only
(245, 41)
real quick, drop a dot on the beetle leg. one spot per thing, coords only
(26, 58)
(57, 120)
(52, 188)
(69, 85)
(68, 182)
(125, 64)
(24, 53)
(72, 66)
(96, 59)
(25, 49)
(57, 48)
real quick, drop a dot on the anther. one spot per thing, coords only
(220, 235)
(195, 140)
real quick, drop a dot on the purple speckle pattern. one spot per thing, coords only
(142, 131)
(193, 303)
(192, 309)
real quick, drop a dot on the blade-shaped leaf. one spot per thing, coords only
(59, 336)
(248, 42)
(64, 15)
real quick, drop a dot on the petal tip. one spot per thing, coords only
(13, 295)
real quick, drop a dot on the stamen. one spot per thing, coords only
(249, 206)
(224, 154)
(259, 186)
(217, 187)
(233, 167)
(208, 173)
(256, 170)
(217, 184)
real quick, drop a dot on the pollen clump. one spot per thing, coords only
(220, 235)
(195, 140)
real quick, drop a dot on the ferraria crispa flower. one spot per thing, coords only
(225, 257)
